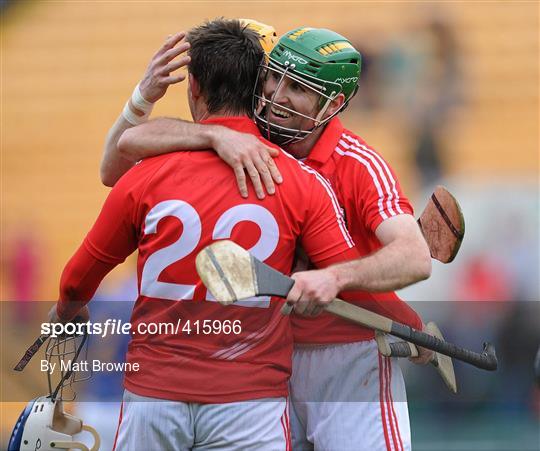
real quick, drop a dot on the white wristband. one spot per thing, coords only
(131, 117)
(139, 103)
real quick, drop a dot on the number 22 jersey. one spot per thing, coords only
(169, 208)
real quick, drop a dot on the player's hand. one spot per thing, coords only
(424, 355)
(157, 77)
(312, 291)
(246, 153)
(83, 315)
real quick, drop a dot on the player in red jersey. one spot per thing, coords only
(296, 114)
(169, 208)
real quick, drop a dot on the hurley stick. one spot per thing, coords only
(231, 273)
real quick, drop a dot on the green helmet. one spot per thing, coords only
(322, 60)
(321, 54)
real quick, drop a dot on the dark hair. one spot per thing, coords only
(225, 56)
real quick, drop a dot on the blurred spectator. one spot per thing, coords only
(22, 263)
(517, 344)
(417, 78)
(517, 241)
(440, 87)
(484, 277)
(368, 94)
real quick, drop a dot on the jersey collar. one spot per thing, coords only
(239, 123)
(327, 142)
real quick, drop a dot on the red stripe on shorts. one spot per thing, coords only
(288, 422)
(119, 422)
(283, 420)
(392, 403)
(382, 402)
(389, 405)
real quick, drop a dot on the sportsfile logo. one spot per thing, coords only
(347, 80)
(294, 57)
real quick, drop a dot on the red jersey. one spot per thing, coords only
(170, 207)
(369, 192)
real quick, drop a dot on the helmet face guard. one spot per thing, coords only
(65, 351)
(43, 424)
(278, 134)
(323, 62)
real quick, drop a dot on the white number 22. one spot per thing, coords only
(189, 239)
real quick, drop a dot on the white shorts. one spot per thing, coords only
(348, 397)
(152, 424)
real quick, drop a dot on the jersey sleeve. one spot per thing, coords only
(378, 191)
(111, 240)
(325, 237)
(113, 236)
(80, 280)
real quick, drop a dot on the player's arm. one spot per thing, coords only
(111, 240)
(80, 280)
(157, 78)
(242, 152)
(402, 260)
(376, 200)
(128, 141)
(316, 288)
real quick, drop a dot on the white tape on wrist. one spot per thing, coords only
(139, 103)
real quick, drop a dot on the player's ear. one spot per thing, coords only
(194, 86)
(335, 105)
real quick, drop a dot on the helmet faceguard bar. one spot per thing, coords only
(286, 74)
(65, 352)
(273, 132)
(312, 83)
(277, 133)
(43, 424)
(278, 67)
